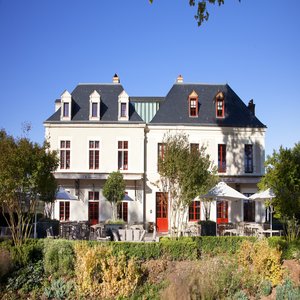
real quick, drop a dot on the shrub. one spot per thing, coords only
(211, 245)
(179, 248)
(260, 260)
(266, 288)
(60, 289)
(6, 263)
(287, 291)
(100, 274)
(27, 278)
(58, 257)
(140, 251)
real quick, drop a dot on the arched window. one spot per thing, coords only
(193, 104)
(220, 107)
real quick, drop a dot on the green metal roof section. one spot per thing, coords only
(146, 107)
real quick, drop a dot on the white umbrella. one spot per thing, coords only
(224, 191)
(265, 196)
(62, 194)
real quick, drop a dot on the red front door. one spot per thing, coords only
(93, 212)
(222, 212)
(162, 212)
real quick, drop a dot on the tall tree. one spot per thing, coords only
(26, 177)
(114, 190)
(283, 176)
(202, 13)
(184, 175)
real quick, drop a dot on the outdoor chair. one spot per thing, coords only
(49, 232)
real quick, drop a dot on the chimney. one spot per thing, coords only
(179, 79)
(251, 107)
(116, 79)
(57, 104)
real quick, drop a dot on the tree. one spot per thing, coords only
(283, 177)
(202, 12)
(184, 175)
(26, 177)
(114, 190)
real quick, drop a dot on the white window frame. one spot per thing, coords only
(94, 99)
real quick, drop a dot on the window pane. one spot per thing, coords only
(66, 110)
(94, 109)
(123, 109)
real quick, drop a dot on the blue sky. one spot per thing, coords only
(51, 45)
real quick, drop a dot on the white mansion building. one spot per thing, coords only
(99, 128)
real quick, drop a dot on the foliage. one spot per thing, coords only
(283, 176)
(6, 263)
(266, 288)
(116, 221)
(27, 278)
(26, 176)
(287, 291)
(58, 257)
(261, 260)
(101, 274)
(184, 174)
(29, 252)
(147, 292)
(60, 289)
(114, 190)
(292, 228)
(202, 12)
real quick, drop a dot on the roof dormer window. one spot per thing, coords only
(220, 107)
(94, 106)
(66, 106)
(123, 107)
(193, 104)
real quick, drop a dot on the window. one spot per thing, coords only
(248, 158)
(193, 104)
(94, 110)
(93, 196)
(122, 211)
(249, 211)
(220, 105)
(194, 147)
(161, 205)
(94, 155)
(66, 110)
(221, 158)
(123, 155)
(123, 110)
(65, 154)
(160, 153)
(64, 210)
(194, 211)
(222, 212)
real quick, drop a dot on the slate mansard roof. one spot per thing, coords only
(109, 94)
(172, 110)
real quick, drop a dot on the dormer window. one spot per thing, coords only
(94, 106)
(123, 107)
(193, 104)
(66, 108)
(220, 107)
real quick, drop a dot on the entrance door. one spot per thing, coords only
(93, 212)
(162, 212)
(222, 212)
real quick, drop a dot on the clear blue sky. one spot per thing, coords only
(47, 46)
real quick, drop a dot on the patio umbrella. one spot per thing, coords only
(225, 192)
(265, 196)
(62, 194)
(222, 191)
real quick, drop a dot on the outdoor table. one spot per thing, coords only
(232, 231)
(269, 232)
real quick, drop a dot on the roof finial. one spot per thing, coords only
(179, 79)
(116, 78)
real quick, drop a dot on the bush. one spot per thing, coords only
(261, 261)
(60, 289)
(27, 278)
(30, 252)
(6, 263)
(58, 257)
(210, 245)
(99, 274)
(266, 288)
(287, 291)
(140, 251)
(184, 248)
